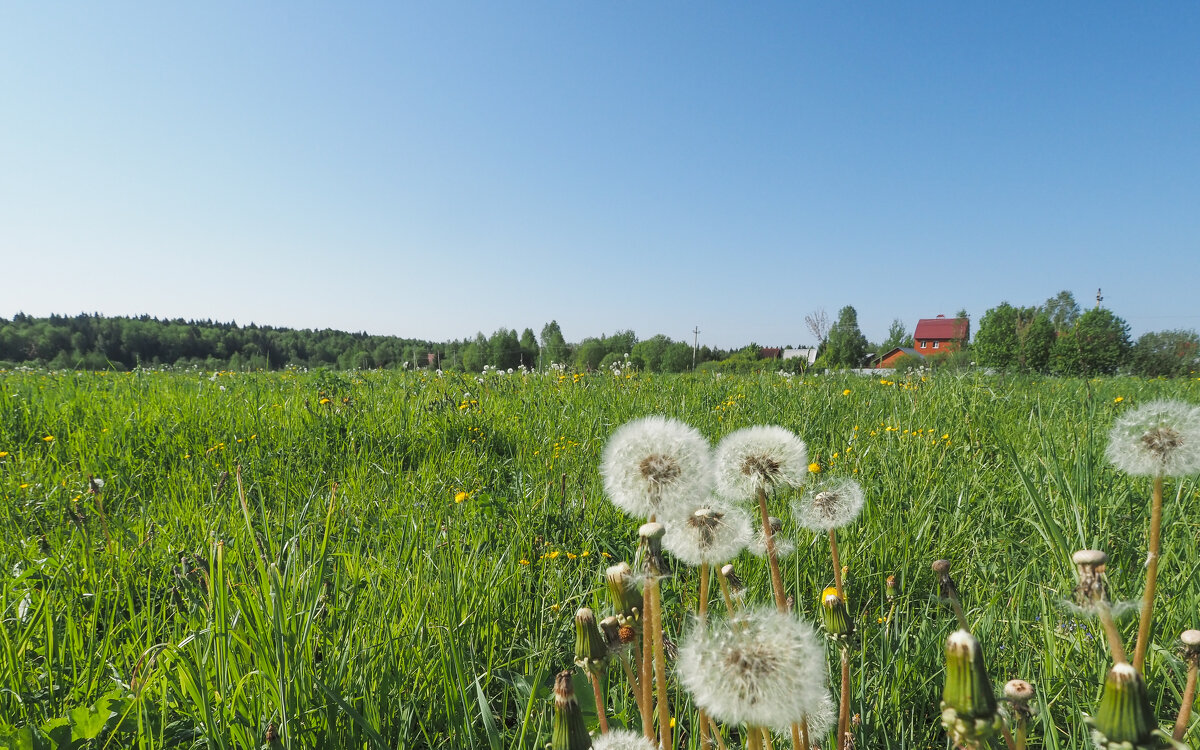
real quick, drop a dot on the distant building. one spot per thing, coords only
(770, 352)
(808, 353)
(941, 334)
(889, 359)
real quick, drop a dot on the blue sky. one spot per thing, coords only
(435, 169)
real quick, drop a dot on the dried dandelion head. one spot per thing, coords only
(759, 458)
(656, 466)
(1161, 438)
(712, 534)
(622, 739)
(762, 668)
(830, 506)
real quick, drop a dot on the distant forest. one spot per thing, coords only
(95, 342)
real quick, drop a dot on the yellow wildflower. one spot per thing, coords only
(522, 561)
(323, 401)
(3, 454)
(23, 486)
(48, 439)
(846, 392)
(1118, 399)
(460, 497)
(814, 468)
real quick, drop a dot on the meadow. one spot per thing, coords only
(385, 559)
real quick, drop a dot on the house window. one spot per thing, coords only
(923, 344)
(935, 344)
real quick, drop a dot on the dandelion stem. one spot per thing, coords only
(1104, 613)
(1185, 710)
(633, 680)
(1143, 640)
(755, 742)
(766, 733)
(837, 565)
(660, 666)
(804, 743)
(601, 706)
(772, 559)
(716, 732)
(796, 737)
(844, 702)
(1022, 732)
(725, 593)
(646, 678)
(1008, 738)
(958, 612)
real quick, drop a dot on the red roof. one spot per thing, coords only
(942, 328)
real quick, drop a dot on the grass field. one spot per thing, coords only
(412, 548)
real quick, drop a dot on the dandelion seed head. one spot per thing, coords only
(622, 739)
(714, 534)
(832, 505)
(759, 458)
(656, 466)
(1161, 438)
(761, 668)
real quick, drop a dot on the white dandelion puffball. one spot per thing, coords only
(784, 547)
(622, 739)
(829, 506)
(1161, 438)
(713, 534)
(656, 466)
(762, 667)
(759, 458)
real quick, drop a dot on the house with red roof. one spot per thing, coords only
(941, 334)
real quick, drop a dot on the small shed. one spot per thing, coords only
(889, 359)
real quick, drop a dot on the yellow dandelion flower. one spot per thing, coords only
(3, 454)
(571, 556)
(814, 468)
(1118, 399)
(187, 455)
(48, 439)
(606, 555)
(846, 392)
(23, 486)
(946, 436)
(323, 401)
(460, 497)
(522, 561)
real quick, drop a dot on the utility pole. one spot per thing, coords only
(695, 345)
(1099, 299)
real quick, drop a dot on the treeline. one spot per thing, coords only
(95, 342)
(1058, 339)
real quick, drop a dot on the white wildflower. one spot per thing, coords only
(759, 458)
(1161, 438)
(763, 668)
(829, 506)
(713, 534)
(656, 466)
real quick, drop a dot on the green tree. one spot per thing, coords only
(1035, 339)
(897, 336)
(1166, 354)
(846, 345)
(504, 349)
(1097, 345)
(529, 348)
(474, 354)
(648, 355)
(996, 340)
(1062, 310)
(554, 346)
(590, 354)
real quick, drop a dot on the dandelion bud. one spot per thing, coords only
(1093, 584)
(893, 589)
(1124, 718)
(834, 615)
(1018, 694)
(590, 651)
(1191, 647)
(968, 704)
(776, 524)
(569, 730)
(624, 594)
(653, 564)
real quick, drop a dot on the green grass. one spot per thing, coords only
(164, 612)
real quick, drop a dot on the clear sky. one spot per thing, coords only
(433, 169)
